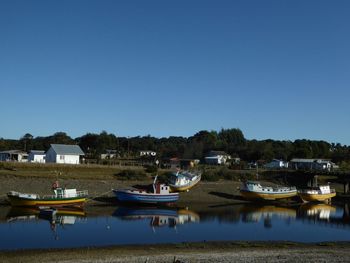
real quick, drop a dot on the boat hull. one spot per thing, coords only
(267, 196)
(184, 187)
(128, 196)
(316, 197)
(58, 202)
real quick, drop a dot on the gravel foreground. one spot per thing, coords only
(197, 252)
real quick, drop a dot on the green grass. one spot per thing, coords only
(65, 171)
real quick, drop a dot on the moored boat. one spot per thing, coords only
(254, 190)
(183, 181)
(322, 193)
(61, 197)
(160, 194)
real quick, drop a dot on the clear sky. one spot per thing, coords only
(275, 69)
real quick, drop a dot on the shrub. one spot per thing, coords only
(131, 175)
(210, 176)
(151, 168)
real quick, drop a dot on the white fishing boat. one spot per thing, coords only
(183, 181)
(254, 190)
(322, 193)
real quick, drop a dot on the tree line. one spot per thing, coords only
(231, 141)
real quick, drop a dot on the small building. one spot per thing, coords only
(177, 163)
(110, 154)
(311, 164)
(65, 154)
(14, 155)
(217, 158)
(276, 164)
(36, 156)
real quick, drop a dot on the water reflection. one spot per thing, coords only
(256, 213)
(57, 218)
(317, 211)
(158, 216)
(23, 228)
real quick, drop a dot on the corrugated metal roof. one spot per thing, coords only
(37, 152)
(64, 149)
(301, 160)
(14, 152)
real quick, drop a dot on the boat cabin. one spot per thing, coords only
(161, 189)
(252, 186)
(325, 189)
(66, 193)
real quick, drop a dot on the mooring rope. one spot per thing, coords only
(102, 194)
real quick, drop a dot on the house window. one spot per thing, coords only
(61, 157)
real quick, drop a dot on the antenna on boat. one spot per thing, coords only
(155, 179)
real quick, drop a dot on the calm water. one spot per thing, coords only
(24, 229)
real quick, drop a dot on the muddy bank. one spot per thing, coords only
(100, 190)
(192, 252)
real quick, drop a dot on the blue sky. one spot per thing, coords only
(275, 69)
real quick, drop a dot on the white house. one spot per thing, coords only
(276, 164)
(217, 157)
(311, 164)
(110, 154)
(36, 156)
(14, 155)
(61, 153)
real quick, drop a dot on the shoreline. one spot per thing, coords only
(191, 252)
(203, 197)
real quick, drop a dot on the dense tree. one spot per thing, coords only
(197, 146)
(26, 141)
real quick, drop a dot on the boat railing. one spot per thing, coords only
(284, 188)
(82, 193)
(306, 191)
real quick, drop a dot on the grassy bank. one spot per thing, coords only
(62, 171)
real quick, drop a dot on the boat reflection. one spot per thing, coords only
(21, 213)
(55, 216)
(158, 216)
(318, 211)
(256, 213)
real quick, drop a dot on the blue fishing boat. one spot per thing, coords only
(160, 194)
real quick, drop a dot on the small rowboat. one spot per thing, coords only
(61, 197)
(160, 194)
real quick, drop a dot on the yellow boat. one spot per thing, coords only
(61, 197)
(254, 190)
(322, 193)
